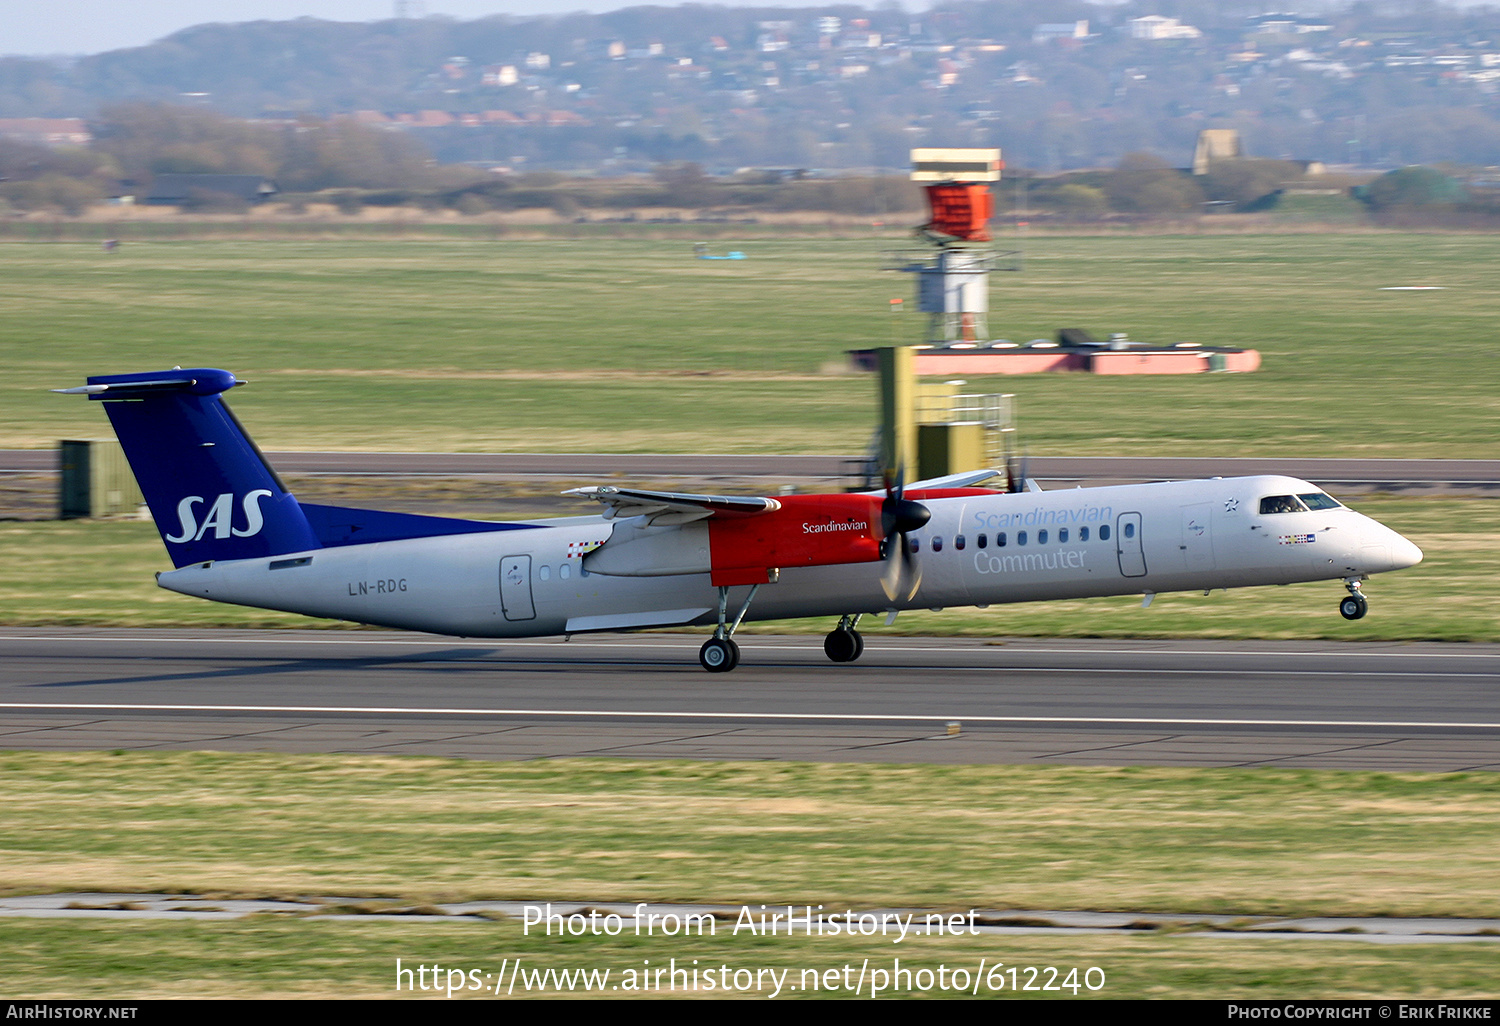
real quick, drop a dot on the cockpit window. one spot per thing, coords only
(1281, 504)
(1319, 500)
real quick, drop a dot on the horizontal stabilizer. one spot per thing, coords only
(198, 381)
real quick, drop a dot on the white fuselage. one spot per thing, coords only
(1130, 539)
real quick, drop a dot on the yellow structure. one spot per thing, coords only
(929, 429)
(951, 448)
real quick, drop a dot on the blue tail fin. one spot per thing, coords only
(212, 493)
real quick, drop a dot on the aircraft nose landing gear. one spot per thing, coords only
(844, 644)
(1354, 606)
(720, 653)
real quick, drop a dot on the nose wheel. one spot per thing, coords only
(1353, 606)
(720, 653)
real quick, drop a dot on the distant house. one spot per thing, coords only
(1286, 25)
(1060, 30)
(175, 190)
(1155, 26)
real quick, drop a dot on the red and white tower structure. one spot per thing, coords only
(953, 283)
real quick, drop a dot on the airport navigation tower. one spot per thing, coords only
(933, 426)
(953, 284)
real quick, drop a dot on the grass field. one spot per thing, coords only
(427, 343)
(1249, 842)
(1243, 842)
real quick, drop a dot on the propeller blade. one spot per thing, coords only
(910, 569)
(902, 575)
(899, 516)
(890, 575)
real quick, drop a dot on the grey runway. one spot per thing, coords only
(1420, 707)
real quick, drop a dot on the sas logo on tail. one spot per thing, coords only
(219, 517)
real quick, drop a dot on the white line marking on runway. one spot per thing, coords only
(681, 715)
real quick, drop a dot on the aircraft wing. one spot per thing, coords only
(664, 509)
(964, 479)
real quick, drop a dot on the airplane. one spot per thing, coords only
(655, 559)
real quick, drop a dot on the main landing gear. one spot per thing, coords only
(719, 653)
(1354, 606)
(844, 644)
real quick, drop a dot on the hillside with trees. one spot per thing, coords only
(1058, 85)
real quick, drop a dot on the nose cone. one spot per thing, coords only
(1404, 553)
(1382, 549)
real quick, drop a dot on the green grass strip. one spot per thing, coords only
(1239, 842)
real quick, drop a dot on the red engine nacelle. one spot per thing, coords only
(808, 530)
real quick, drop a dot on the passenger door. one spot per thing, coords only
(515, 588)
(1128, 545)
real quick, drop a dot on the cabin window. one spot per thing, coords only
(958, 542)
(1041, 537)
(1281, 504)
(937, 543)
(1000, 540)
(563, 572)
(1104, 532)
(544, 572)
(984, 540)
(1062, 535)
(1320, 500)
(1020, 537)
(916, 544)
(1130, 530)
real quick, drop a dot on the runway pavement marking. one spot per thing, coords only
(813, 644)
(682, 715)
